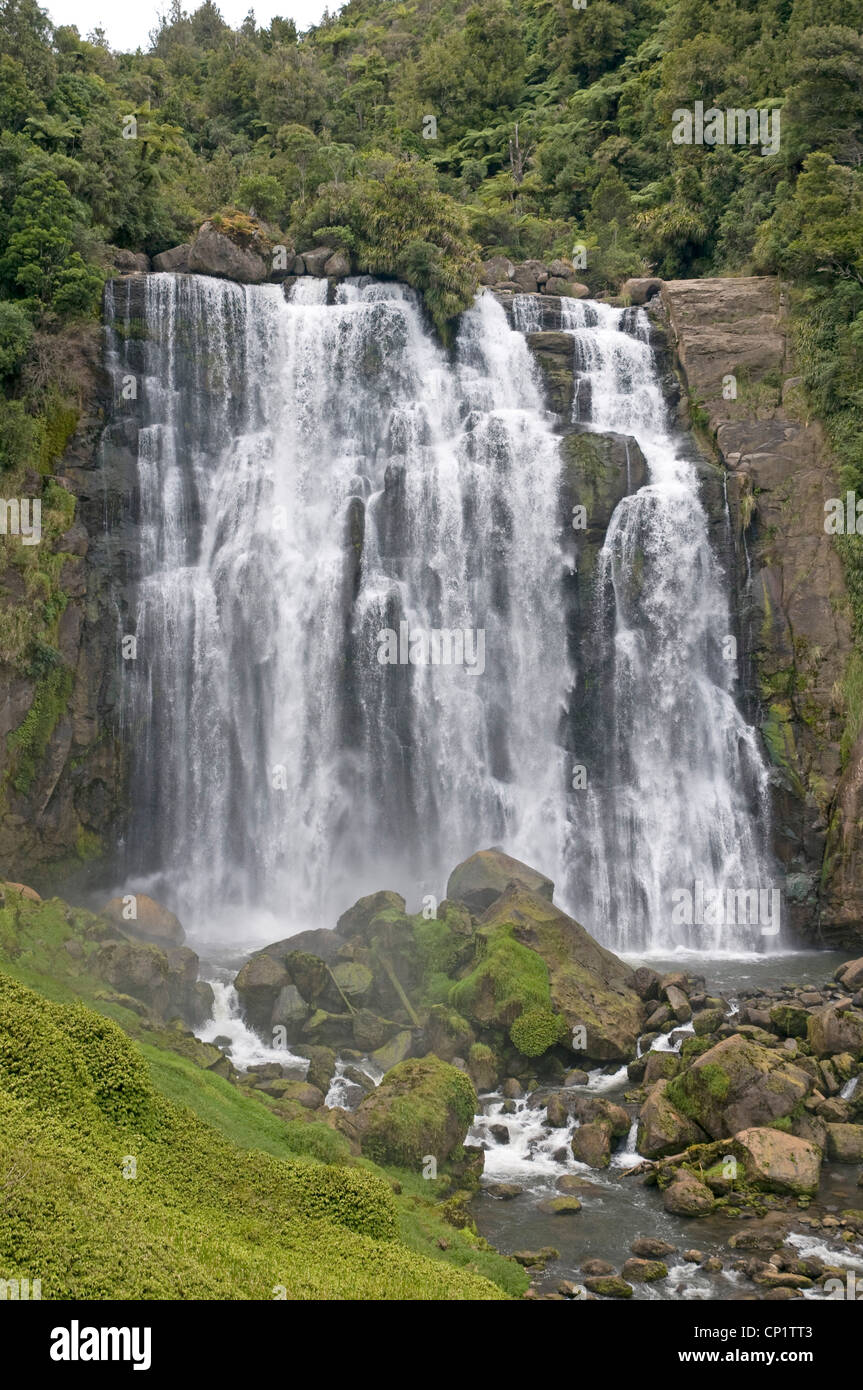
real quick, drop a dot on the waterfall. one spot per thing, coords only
(312, 476)
(670, 835)
(352, 665)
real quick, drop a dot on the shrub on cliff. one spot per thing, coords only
(401, 225)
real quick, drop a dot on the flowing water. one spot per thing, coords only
(677, 792)
(616, 1208)
(323, 487)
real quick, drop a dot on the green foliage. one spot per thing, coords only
(508, 980)
(16, 334)
(535, 1031)
(200, 1218)
(28, 742)
(402, 226)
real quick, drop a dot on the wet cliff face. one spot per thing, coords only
(732, 345)
(61, 762)
(68, 726)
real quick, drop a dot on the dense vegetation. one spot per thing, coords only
(423, 135)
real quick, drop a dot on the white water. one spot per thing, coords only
(680, 793)
(311, 475)
(245, 1048)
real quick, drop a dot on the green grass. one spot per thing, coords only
(203, 1217)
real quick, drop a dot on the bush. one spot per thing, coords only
(16, 334)
(401, 225)
(349, 1196)
(535, 1031)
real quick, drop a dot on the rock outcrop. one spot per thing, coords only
(731, 337)
(214, 253)
(513, 990)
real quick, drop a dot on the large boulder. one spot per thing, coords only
(845, 1143)
(567, 289)
(778, 1162)
(315, 261)
(589, 986)
(214, 253)
(642, 288)
(686, 1196)
(838, 1027)
(365, 910)
(493, 271)
(738, 1085)
(338, 265)
(662, 1130)
(850, 975)
(176, 259)
(529, 275)
(259, 984)
(151, 921)
(129, 262)
(479, 880)
(165, 980)
(422, 1107)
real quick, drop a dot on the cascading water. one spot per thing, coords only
(315, 475)
(672, 826)
(312, 476)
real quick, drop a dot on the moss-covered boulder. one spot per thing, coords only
(790, 1020)
(479, 880)
(845, 1143)
(507, 980)
(365, 910)
(423, 1106)
(738, 1085)
(686, 1195)
(641, 1271)
(483, 1067)
(591, 1144)
(581, 981)
(608, 1286)
(662, 1130)
(777, 1162)
(446, 1033)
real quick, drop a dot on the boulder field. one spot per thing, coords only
(501, 990)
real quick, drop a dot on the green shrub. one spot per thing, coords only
(535, 1031)
(16, 334)
(402, 225)
(351, 1197)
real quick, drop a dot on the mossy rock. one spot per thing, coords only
(587, 985)
(479, 880)
(508, 980)
(789, 1020)
(736, 1085)
(423, 1106)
